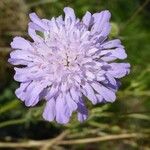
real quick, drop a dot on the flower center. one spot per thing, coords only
(69, 59)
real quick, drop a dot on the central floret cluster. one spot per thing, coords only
(69, 59)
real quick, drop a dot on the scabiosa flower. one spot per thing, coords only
(69, 60)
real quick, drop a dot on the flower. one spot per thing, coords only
(69, 60)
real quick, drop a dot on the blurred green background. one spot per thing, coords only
(123, 125)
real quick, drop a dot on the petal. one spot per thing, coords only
(59, 20)
(64, 86)
(90, 75)
(110, 55)
(22, 54)
(82, 111)
(69, 15)
(92, 51)
(111, 86)
(38, 21)
(31, 93)
(100, 98)
(18, 61)
(21, 43)
(35, 27)
(33, 35)
(111, 79)
(54, 26)
(20, 92)
(75, 94)
(87, 19)
(112, 44)
(28, 73)
(101, 23)
(61, 109)
(106, 93)
(70, 102)
(106, 30)
(119, 70)
(77, 78)
(52, 92)
(50, 110)
(89, 93)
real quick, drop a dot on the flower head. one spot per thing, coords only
(68, 60)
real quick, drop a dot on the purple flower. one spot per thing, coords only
(68, 60)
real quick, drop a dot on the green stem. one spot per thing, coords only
(139, 9)
(133, 93)
(12, 122)
(41, 2)
(9, 106)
